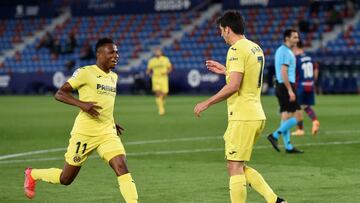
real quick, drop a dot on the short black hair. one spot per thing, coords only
(101, 42)
(288, 32)
(233, 20)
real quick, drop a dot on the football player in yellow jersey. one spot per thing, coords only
(159, 68)
(246, 118)
(94, 127)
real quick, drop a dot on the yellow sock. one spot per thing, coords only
(256, 181)
(51, 175)
(238, 191)
(128, 188)
(157, 100)
(164, 100)
(160, 103)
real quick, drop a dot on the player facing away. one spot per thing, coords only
(285, 63)
(159, 67)
(246, 118)
(94, 127)
(306, 75)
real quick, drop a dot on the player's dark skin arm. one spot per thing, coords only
(64, 95)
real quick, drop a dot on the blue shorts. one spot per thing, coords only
(305, 98)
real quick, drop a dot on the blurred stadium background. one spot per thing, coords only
(43, 41)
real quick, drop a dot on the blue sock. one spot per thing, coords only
(286, 139)
(285, 126)
(277, 133)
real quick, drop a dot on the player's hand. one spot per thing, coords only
(119, 129)
(200, 107)
(90, 108)
(215, 67)
(292, 96)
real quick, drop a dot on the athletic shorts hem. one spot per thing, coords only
(109, 155)
(237, 159)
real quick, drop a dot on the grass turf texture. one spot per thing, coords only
(327, 172)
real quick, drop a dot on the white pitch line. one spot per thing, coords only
(127, 143)
(8, 156)
(186, 139)
(184, 151)
(341, 132)
(33, 160)
(31, 153)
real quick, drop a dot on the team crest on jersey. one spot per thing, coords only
(77, 158)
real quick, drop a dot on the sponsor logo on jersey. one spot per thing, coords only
(233, 59)
(106, 89)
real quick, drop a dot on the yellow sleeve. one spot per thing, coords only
(235, 61)
(78, 78)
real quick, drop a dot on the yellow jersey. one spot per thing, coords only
(159, 66)
(94, 85)
(247, 58)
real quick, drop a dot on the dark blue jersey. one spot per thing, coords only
(304, 73)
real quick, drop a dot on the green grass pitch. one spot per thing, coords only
(178, 158)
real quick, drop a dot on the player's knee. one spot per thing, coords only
(235, 168)
(119, 166)
(121, 169)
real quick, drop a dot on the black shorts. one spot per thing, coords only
(284, 99)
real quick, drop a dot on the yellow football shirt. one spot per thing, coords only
(94, 85)
(159, 66)
(248, 58)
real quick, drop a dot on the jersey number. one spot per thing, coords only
(308, 70)
(261, 61)
(78, 147)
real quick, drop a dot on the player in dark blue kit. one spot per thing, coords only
(306, 75)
